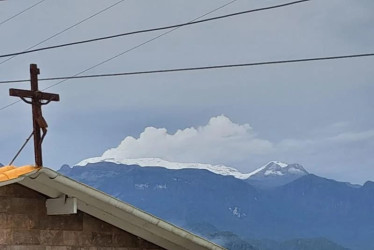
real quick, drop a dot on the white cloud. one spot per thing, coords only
(220, 141)
(332, 153)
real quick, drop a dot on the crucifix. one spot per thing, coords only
(37, 97)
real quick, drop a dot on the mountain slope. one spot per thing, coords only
(157, 162)
(276, 174)
(273, 174)
(308, 207)
(191, 195)
(317, 206)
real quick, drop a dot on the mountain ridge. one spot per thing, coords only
(308, 207)
(273, 169)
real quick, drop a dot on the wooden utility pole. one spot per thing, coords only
(39, 123)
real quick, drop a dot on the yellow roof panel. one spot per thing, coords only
(6, 168)
(12, 172)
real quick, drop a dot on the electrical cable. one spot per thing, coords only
(66, 29)
(139, 45)
(153, 29)
(20, 150)
(196, 68)
(133, 48)
(20, 13)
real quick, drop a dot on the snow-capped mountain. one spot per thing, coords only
(276, 174)
(157, 162)
(276, 168)
(272, 171)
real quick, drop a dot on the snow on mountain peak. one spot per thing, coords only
(273, 168)
(281, 164)
(157, 162)
(276, 168)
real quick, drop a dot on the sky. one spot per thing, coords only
(318, 114)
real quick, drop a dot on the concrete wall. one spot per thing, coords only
(24, 225)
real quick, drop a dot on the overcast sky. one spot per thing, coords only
(318, 114)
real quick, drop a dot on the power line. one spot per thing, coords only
(140, 45)
(20, 13)
(153, 29)
(198, 68)
(59, 33)
(9, 105)
(20, 150)
(122, 53)
(66, 29)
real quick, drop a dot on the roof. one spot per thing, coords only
(105, 207)
(8, 173)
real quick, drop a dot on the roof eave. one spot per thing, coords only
(115, 212)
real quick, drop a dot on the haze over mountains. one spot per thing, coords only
(278, 206)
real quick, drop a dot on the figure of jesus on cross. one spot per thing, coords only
(37, 97)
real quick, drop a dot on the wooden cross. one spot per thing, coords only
(36, 97)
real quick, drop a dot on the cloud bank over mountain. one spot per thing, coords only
(220, 141)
